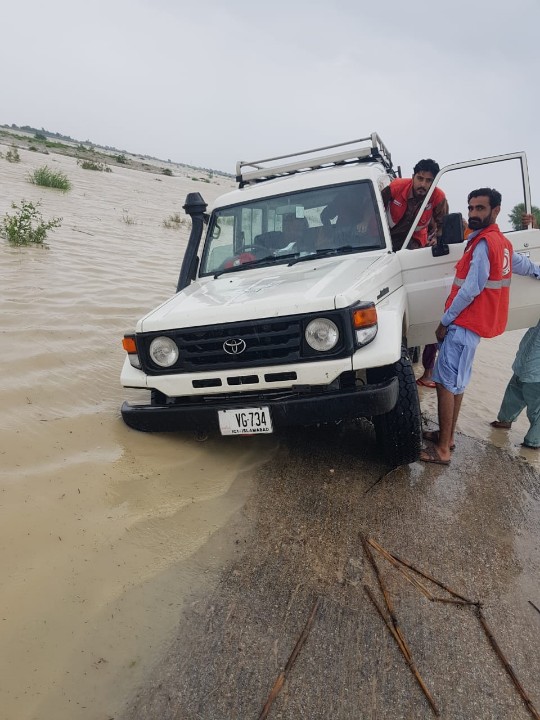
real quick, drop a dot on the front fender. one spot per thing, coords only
(386, 348)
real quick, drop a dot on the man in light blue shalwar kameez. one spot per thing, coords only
(523, 390)
(458, 343)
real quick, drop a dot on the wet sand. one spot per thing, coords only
(475, 526)
(107, 535)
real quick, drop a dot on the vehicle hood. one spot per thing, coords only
(269, 292)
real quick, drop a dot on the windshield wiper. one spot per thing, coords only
(269, 259)
(325, 252)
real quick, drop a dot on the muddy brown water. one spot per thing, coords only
(114, 544)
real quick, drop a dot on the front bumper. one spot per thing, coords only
(296, 410)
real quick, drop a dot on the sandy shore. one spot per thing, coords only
(103, 530)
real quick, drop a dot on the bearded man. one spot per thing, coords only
(403, 197)
(476, 307)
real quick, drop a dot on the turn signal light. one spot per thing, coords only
(129, 344)
(364, 317)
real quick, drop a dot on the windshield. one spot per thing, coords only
(338, 218)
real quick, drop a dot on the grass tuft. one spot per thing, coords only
(46, 177)
(12, 155)
(94, 165)
(174, 221)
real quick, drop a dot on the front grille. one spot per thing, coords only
(265, 343)
(260, 342)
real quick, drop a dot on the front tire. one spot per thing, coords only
(399, 432)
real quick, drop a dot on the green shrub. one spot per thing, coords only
(40, 137)
(94, 165)
(53, 144)
(26, 226)
(122, 159)
(46, 177)
(12, 155)
(167, 171)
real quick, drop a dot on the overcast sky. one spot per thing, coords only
(210, 82)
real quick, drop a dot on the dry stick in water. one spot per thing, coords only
(509, 669)
(290, 662)
(407, 656)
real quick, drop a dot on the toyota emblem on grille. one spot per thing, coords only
(234, 346)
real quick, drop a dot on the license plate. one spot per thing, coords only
(245, 421)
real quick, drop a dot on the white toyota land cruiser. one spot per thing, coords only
(292, 308)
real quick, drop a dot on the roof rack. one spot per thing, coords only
(376, 150)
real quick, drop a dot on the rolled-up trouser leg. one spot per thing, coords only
(531, 393)
(513, 401)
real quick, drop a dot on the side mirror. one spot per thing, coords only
(452, 233)
(452, 229)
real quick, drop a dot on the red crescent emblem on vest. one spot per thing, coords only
(506, 262)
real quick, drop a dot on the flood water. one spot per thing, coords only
(94, 517)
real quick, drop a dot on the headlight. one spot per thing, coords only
(322, 334)
(163, 351)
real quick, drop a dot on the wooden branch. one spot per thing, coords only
(386, 594)
(433, 580)
(392, 560)
(405, 652)
(534, 606)
(280, 680)
(509, 669)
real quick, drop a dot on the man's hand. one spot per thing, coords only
(528, 219)
(440, 332)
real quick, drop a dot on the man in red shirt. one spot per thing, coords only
(402, 199)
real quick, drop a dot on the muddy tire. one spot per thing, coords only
(399, 432)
